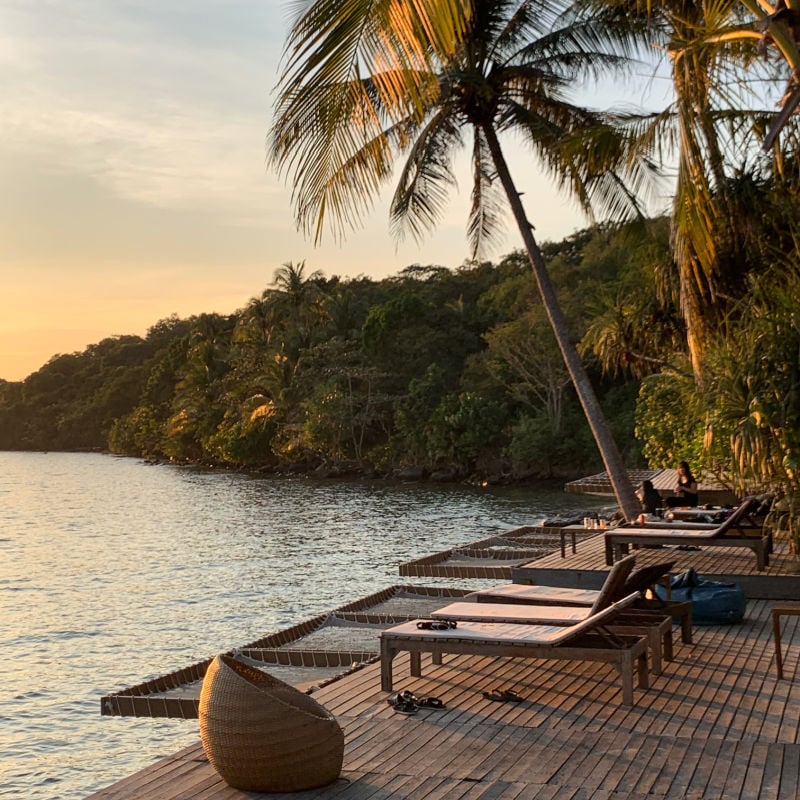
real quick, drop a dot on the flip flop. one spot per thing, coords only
(436, 624)
(401, 697)
(503, 696)
(431, 702)
(401, 704)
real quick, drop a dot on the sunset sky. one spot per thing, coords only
(134, 181)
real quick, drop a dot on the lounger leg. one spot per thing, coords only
(667, 645)
(416, 664)
(387, 654)
(776, 633)
(644, 677)
(654, 643)
(626, 672)
(686, 627)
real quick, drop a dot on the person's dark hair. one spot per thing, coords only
(684, 465)
(650, 498)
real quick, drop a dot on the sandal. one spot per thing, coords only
(436, 624)
(431, 702)
(503, 696)
(401, 704)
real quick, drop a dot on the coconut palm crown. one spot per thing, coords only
(368, 83)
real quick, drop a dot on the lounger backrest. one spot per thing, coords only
(744, 508)
(642, 579)
(611, 589)
(593, 620)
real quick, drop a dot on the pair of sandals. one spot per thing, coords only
(436, 624)
(503, 696)
(408, 703)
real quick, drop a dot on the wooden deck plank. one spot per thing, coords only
(753, 786)
(626, 776)
(592, 762)
(790, 774)
(683, 774)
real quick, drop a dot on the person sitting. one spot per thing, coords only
(649, 497)
(685, 488)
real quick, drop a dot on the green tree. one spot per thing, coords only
(464, 428)
(723, 92)
(523, 357)
(197, 408)
(348, 107)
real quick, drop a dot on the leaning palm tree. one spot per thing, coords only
(368, 82)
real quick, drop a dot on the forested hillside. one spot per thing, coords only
(445, 372)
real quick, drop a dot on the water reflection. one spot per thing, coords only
(113, 572)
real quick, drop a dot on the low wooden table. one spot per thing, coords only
(572, 530)
(782, 609)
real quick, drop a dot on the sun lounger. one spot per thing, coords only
(639, 580)
(618, 540)
(745, 519)
(657, 629)
(589, 640)
(622, 580)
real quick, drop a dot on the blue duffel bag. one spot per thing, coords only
(713, 603)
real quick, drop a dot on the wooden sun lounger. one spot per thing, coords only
(618, 540)
(741, 520)
(657, 629)
(589, 640)
(639, 580)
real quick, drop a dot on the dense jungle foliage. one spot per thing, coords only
(437, 371)
(452, 373)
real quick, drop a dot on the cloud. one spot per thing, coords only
(163, 106)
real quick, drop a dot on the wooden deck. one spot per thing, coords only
(663, 482)
(587, 568)
(716, 724)
(494, 559)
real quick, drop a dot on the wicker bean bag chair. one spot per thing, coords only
(263, 735)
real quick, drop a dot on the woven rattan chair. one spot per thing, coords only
(263, 735)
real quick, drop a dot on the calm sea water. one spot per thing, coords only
(113, 571)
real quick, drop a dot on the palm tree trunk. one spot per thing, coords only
(609, 452)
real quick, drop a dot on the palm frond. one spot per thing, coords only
(332, 139)
(421, 192)
(488, 201)
(333, 130)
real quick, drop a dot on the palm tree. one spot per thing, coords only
(361, 87)
(715, 52)
(291, 280)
